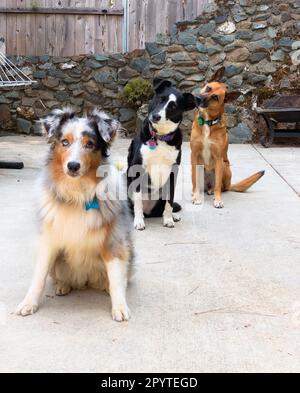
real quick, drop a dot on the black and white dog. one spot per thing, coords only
(155, 155)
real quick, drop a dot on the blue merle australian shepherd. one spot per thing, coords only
(155, 155)
(85, 229)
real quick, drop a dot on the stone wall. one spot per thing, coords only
(256, 40)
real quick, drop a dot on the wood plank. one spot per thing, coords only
(68, 48)
(115, 33)
(76, 11)
(151, 26)
(40, 32)
(3, 20)
(50, 35)
(21, 29)
(137, 26)
(99, 40)
(79, 35)
(114, 28)
(89, 29)
(172, 13)
(134, 15)
(30, 41)
(11, 27)
(109, 29)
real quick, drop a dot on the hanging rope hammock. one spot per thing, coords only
(10, 77)
(10, 74)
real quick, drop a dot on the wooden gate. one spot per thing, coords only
(61, 28)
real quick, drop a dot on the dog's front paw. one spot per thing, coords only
(169, 222)
(27, 308)
(121, 313)
(62, 289)
(139, 224)
(197, 200)
(176, 217)
(218, 204)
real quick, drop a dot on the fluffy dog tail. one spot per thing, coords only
(244, 185)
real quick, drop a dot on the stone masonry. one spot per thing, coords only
(257, 41)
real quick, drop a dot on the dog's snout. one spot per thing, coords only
(156, 118)
(73, 166)
(201, 101)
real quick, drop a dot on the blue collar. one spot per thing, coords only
(94, 204)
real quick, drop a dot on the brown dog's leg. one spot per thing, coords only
(209, 177)
(219, 172)
(195, 177)
(227, 176)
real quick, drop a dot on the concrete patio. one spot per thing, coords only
(219, 293)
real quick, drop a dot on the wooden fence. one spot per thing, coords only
(150, 17)
(75, 27)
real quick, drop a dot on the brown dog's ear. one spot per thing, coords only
(217, 75)
(232, 96)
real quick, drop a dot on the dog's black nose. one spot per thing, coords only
(199, 100)
(156, 118)
(73, 167)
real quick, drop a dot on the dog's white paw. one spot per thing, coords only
(121, 313)
(139, 224)
(176, 217)
(27, 308)
(169, 222)
(62, 289)
(218, 204)
(197, 200)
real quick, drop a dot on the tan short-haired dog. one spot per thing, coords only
(209, 144)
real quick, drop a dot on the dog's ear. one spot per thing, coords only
(189, 101)
(107, 126)
(232, 96)
(160, 84)
(217, 76)
(52, 123)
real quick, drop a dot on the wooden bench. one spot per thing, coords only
(280, 109)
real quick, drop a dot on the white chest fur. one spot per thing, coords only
(79, 234)
(206, 145)
(71, 227)
(158, 163)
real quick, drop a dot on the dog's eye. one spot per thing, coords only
(208, 89)
(164, 99)
(89, 145)
(65, 143)
(216, 98)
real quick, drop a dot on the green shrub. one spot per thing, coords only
(136, 93)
